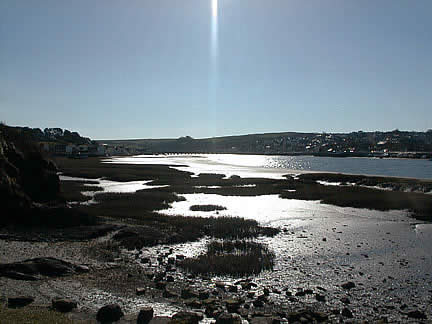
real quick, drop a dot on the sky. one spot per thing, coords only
(114, 69)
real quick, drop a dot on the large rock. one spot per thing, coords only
(262, 320)
(32, 268)
(417, 314)
(187, 317)
(109, 313)
(227, 318)
(348, 285)
(145, 315)
(140, 291)
(189, 293)
(347, 313)
(233, 305)
(19, 301)
(64, 305)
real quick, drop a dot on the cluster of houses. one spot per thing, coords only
(83, 150)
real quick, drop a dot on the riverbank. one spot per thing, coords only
(318, 248)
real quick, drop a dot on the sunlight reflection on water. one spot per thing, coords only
(269, 209)
(273, 166)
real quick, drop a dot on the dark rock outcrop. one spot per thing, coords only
(32, 269)
(30, 186)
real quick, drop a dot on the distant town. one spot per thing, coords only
(402, 144)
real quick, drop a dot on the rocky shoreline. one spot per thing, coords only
(127, 279)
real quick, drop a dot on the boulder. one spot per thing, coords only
(161, 285)
(228, 318)
(417, 314)
(345, 300)
(169, 293)
(232, 288)
(258, 303)
(261, 320)
(188, 317)
(346, 312)
(193, 303)
(203, 295)
(320, 298)
(32, 268)
(188, 293)
(161, 320)
(348, 285)
(109, 313)
(145, 315)
(140, 291)
(19, 301)
(233, 305)
(64, 305)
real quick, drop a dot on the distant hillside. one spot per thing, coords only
(224, 144)
(356, 143)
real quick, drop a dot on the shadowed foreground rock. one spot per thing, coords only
(20, 301)
(145, 315)
(63, 305)
(187, 317)
(109, 313)
(33, 269)
(227, 318)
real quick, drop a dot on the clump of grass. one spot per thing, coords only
(236, 258)
(115, 204)
(160, 229)
(236, 228)
(206, 208)
(34, 315)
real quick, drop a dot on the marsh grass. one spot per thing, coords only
(92, 168)
(396, 184)
(360, 197)
(72, 190)
(236, 258)
(157, 229)
(206, 208)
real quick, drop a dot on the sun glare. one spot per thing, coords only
(214, 8)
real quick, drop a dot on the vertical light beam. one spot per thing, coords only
(214, 30)
(214, 68)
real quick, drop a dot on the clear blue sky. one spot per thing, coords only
(143, 68)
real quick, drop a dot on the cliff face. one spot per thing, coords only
(26, 178)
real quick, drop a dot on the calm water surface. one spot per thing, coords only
(370, 166)
(275, 166)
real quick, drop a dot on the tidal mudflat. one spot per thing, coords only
(333, 259)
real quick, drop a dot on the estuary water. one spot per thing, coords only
(273, 166)
(320, 246)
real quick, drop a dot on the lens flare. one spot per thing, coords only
(214, 8)
(214, 30)
(214, 58)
